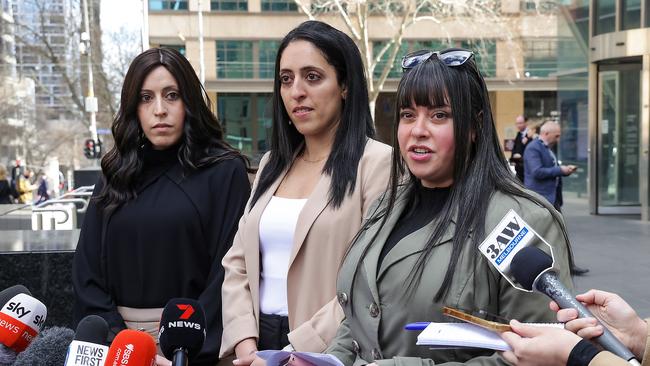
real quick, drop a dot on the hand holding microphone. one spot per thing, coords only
(613, 312)
(532, 268)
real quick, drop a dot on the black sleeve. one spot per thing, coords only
(582, 353)
(88, 280)
(229, 191)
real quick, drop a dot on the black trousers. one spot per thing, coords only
(273, 332)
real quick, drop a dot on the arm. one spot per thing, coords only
(231, 190)
(90, 286)
(341, 346)
(533, 163)
(239, 322)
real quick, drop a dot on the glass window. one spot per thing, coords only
(279, 5)
(267, 53)
(396, 71)
(540, 57)
(485, 52)
(178, 47)
(168, 4)
(605, 16)
(631, 16)
(234, 59)
(229, 5)
(247, 120)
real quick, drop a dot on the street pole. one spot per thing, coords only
(91, 101)
(201, 58)
(145, 25)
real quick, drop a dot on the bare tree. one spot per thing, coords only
(397, 16)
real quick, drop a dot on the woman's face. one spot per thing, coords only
(310, 90)
(426, 142)
(161, 110)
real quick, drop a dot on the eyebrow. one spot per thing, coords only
(167, 88)
(305, 68)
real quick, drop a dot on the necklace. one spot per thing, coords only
(302, 156)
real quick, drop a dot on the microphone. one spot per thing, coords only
(532, 268)
(182, 330)
(21, 318)
(133, 348)
(89, 345)
(50, 347)
(8, 355)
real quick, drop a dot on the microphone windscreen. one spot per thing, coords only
(182, 325)
(22, 317)
(9, 292)
(527, 264)
(132, 347)
(48, 349)
(93, 329)
(7, 356)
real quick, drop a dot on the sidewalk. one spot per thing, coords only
(615, 249)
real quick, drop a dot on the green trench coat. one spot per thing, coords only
(377, 309)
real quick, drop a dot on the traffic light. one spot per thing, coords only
(89, 149)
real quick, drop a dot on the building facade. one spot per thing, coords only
(240, 38)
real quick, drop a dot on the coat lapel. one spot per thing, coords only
(414, 243)
(316, 203)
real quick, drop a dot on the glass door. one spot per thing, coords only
(619, 121)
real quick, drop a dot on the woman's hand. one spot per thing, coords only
(245, 352)
(614, 313)
(538, 346)
(161, 361)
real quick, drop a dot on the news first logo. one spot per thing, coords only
(511, 235)
(83, 353)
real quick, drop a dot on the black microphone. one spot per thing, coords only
(50, 347)
(182, 330)
(532, 268)
(8, 355)
(89, 346)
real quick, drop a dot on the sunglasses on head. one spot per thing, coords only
(450, 57)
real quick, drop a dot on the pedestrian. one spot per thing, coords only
(417, 252)
(521, 140)
(309, 199)
(166, 207)
(7, 194)
(25, 187)
(42, 192)
(543, 173)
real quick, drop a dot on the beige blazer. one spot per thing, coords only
(321, 239)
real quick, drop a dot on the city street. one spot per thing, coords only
(615, 249)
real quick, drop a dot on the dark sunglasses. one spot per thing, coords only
(450, 57)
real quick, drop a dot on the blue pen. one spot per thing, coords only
(416, 326)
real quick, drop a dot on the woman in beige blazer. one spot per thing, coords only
(320, 177)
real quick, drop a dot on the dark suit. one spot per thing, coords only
(542, 174)
(519, 148)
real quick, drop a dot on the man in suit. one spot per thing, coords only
(521, 141)
(542, 172)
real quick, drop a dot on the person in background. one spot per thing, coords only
(24, 186)
(42, 190)
(309, 198)
(521, 140)
(166, 208)
(543, 173)
(418, 251)
(539, 346)
(7, 194)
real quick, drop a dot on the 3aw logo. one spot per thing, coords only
(188, 310)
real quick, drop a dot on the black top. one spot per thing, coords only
(428, 203)
(168, 242)
(5, 191)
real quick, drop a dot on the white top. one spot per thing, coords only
(277, 229)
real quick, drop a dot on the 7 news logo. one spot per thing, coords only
(188, 310)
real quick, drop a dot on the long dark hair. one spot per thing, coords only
(354, 127)
(202, 141)
(479, 169)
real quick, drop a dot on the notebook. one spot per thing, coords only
(280, 358)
